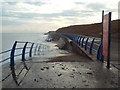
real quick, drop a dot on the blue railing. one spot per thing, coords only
(26, 48)
(5, 58)
(23, 48)
(90, 44)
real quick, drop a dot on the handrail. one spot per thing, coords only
(26, 47)
(83, 41)
(96, 44)
(16, 48)
(5, 51)
(22, 42)
(13, 55)
(5, 60)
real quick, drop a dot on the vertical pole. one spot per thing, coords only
(102, 57)
(91, 45)
(39, 49)
(23, 51)
(109, 40)
(35, 49)
(75, 38)
(86, 43)
(83, 41)
(12, 54)
(12, 63)
(98, 52)
(30, 53)
(80, 40)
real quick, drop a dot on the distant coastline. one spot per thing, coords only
(90, 29)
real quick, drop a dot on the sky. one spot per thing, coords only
(36, 16)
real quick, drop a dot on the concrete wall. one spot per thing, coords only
(70, 45)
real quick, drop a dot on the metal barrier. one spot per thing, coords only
(23, 58)
(88, 43)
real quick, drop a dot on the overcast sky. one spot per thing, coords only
(46, 15)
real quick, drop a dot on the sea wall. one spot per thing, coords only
(67, 44)
(70, 45)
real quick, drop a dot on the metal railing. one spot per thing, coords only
(90, 44)
(26, 48)
(23, 48)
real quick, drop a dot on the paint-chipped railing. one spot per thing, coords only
(24, 48)
(90, 44)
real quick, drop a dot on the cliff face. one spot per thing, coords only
(90, 29)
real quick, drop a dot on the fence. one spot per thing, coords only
(21, 49)
(89, 44)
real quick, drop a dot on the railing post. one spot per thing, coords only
(73, 38)
(12, 54)
(30, 53)
(39, 49)
(12, 63)
(86, 43)
(23, 51)
(91, 45)
(83, 41)
(35, 49)
(80, 40)
(77, 39)
(99, 52)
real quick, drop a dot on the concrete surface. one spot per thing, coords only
(82, 74)
(67, 75)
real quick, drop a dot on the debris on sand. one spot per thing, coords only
(53, 66)
(63, 68)
(59, 74)
(46, 67)
(42, 69)
(84, 81)
(35, 80)
(40, 78)
(89, 73)
(72, 76)
(73, 69)
(86, 85)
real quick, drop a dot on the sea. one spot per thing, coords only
(7, 40)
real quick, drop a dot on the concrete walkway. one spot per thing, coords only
(82, 74)
(67, 75)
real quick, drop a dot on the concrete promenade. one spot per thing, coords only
(67, 75)
(83, 74)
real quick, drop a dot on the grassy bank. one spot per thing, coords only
(91, 29)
